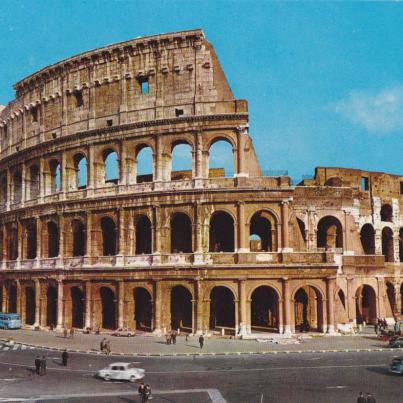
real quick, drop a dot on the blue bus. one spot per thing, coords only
(9, 321)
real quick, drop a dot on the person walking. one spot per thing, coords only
(174, 337)
(141, 391)
(37, 365)
(147, 393)
(71, 333)
(168, 338)
(370, 398)
(361, 398)
(65, 332)
(42, 370)
(108, 347)
(102, 345)
(65, 357)
(201, 341)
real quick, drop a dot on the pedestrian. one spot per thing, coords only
(65, 356)
(370, 398)
(376, 329)
(361, 398)
(42, 370)
(187, 337)
(102, 345)
(65, 332)
(168, 338)
(147, 393)
(37, 365)
(72, 333)
(141, 390)
(201, 341)
(108, 347)
(174, 337)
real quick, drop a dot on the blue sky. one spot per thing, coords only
(324, 81)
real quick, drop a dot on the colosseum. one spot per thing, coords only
(91, 241)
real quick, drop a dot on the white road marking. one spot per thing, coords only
(336, 387)
(23, 347)
(214, 395)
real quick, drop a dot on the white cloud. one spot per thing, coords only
(380, 112)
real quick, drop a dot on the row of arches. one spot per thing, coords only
(179, 163)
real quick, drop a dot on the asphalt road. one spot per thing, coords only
(301, 378)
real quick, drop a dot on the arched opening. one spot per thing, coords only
(367, 235)
(366, 305)
(79, 238)
(3, 191)
(80, 166)
(17, 187)
(264, 309)
(31, 240)
(108, 236)
(221, 159)
(181, 161)
(308, 309)
(12, 242)
(401, 299)
(12, 298)
(55, 176)
(77, 308)
(260, 233)
(387, 244)
(142, 309)
(143, 236)
(53, 239)
(111, 166)
(330, 233)
(51, 306)
(181, 308)
(222, 308)
(34, 182)
(144, 164)
(391, 308)
(386, 213)
(108, 308)
(181, 234)
(221, 232)
(335, 182)
(29, 305)
(401, 244)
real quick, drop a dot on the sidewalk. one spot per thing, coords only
(147, 345)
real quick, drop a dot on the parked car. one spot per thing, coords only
(122, 371)
(396, 366)
(124, 333)
(10, 321)
(396, 342)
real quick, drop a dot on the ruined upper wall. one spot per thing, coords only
(151, 78)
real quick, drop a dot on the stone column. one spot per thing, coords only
(42, 183)
(158, 307)
(285, 226)
(398, 299)
(242, 245)
(198, 155)
(198, 254)
(121, 239)
(64, 176)
(158, 159)
(396, 246)
(19, 297)
(38, 242)
(381, 294)
(20, 243)
(37, 301)
(243, 325)
(378, 241)
(88, 249)
(121, 300)
(61, 239)
(330, 287)
(4, 294)
(9, 190)
(199, 308)
(88, 298)
(156, 233)
(287, 306)
(23, 185)
(242, 136)
(60, 304)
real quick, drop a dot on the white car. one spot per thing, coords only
(122, 371)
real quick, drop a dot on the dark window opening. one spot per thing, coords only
(79, 98)
(364, 183)
(387, 213)
(108, 236)
(109, 122)
(53, 135)
(34, 114)
(178, 112)
(401, 188)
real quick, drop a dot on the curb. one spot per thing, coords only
(271, 352)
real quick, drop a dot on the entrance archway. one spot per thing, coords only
(368, 239)
(264, 309)
(181, 308)
(260, 233)
(221, 232)
(108, 308)
(143, 236)
(330, 233)
(29, 305)
(308, 309)
(51, 306)
(79, 239)
(77, 308)
(108, 236)
(366, 305)
(142, 309)
(387, 244)
(222, 308)
(12, 299)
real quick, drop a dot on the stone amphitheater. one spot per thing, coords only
(90, 241)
